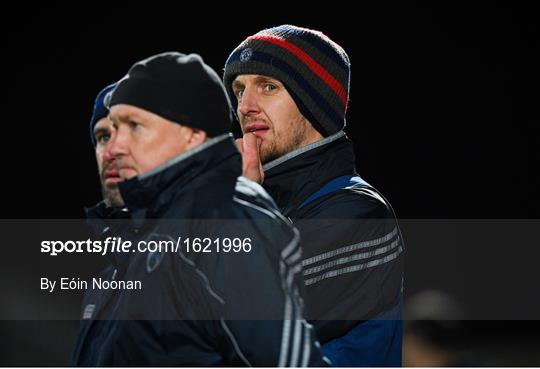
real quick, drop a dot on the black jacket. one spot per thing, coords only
(350, 238)
(197, 308)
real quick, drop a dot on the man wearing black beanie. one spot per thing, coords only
(290, 86)
(228, 290)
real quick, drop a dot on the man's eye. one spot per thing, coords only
(133, 124)
(239, 93)
(269, 87)
(103, 138)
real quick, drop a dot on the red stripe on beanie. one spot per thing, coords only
(307, 60)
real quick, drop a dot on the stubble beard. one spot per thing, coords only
(111, 195)
(285, 142)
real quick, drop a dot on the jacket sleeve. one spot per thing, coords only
(262, 289)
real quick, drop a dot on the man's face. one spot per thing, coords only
(266, 109)
(133, 141)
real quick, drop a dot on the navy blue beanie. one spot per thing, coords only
(100, 110)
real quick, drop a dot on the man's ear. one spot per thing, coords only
(196, 137)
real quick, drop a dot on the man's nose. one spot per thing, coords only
(118, 144)
(249, 103)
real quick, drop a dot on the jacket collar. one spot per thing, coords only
(156, 188)
(139, 192)
(292, 178)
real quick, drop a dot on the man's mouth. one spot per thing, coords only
(112, 176)
(258, 129)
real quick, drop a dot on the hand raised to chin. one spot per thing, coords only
(249, 147)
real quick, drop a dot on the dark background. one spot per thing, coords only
(443, 104)
(443, 97)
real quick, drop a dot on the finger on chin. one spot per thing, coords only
(240, 144)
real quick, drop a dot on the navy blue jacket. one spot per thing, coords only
(352, 252)
(198, 309)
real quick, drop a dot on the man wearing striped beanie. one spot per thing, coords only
(290, 88)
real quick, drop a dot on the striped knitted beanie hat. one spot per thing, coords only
(314, 69)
